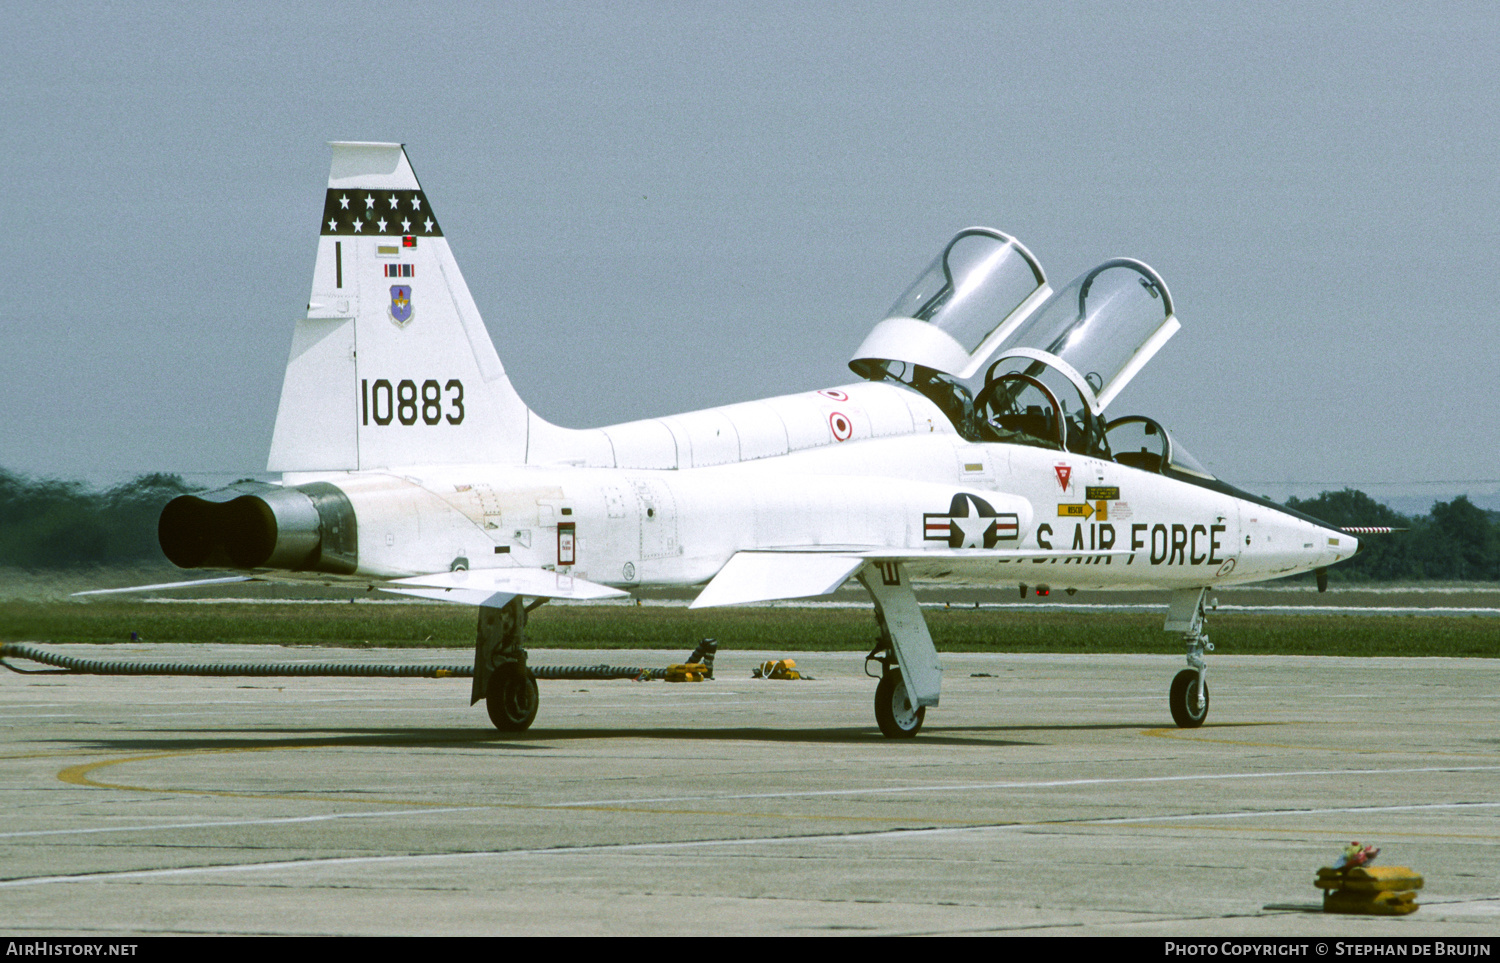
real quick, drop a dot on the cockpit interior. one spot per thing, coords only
(983, 335)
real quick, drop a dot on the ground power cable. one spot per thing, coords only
(79, 666)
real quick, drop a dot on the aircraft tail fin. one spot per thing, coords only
(392, 364)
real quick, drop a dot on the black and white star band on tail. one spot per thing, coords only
(370, 213)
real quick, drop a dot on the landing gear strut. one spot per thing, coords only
(1188, 697)
(910, 674)
(501, 676)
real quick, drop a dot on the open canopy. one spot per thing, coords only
(1052, 362)
(1061, 366)
(1105, 326)
(968, 301)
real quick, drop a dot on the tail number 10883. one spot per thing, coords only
(408, 403)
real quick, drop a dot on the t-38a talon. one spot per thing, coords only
(412, 465)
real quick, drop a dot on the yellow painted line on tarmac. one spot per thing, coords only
(80, 775)
(48, 754)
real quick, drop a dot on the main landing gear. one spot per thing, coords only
(1188, 696)
(895, 714)
(910, 676)
(501, 676)
(512, 697)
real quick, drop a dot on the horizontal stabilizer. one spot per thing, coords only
(191, 583)
(479, 586)
(767, 576)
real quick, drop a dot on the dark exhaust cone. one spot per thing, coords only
(253, 525)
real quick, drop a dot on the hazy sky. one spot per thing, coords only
(661, 207)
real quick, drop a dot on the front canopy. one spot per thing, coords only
(1143, 443)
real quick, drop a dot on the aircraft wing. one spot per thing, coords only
(480, 586)
(768, 576)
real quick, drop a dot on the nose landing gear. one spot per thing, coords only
(1188, 696)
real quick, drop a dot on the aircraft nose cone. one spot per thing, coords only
(1339, 544)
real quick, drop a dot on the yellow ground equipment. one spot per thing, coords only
(1371, 890)
(686, 672)
(777, 669)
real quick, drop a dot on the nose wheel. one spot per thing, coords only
(1188, 699)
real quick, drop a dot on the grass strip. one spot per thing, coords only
(758, 629)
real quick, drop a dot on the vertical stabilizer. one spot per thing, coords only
(392, 365)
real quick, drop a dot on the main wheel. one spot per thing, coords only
(512, 697)
(894, 712)
(1184, 700)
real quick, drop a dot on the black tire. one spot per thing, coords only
(1183, 699)
(512, 698)
(894, 713)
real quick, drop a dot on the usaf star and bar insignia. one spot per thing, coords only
(367, 213)
(971, 522)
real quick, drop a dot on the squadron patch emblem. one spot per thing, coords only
(401, 308)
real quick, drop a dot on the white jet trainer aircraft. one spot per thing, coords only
(975, 450)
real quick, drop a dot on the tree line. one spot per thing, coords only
(50, 524)
(1455, 541)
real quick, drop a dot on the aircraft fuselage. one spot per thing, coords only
(1105, 525)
